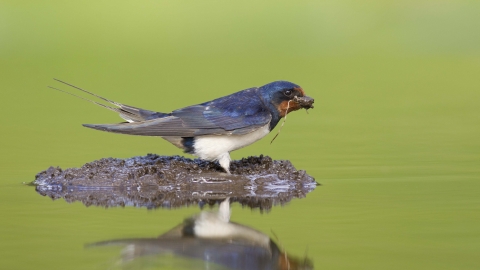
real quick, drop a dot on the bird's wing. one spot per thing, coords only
(239, 113)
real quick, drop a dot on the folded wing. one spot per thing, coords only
(239, 113)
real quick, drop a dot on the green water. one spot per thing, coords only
(394, 138)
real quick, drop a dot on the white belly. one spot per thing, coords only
(212, 147)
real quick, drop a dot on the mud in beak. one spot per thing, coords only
(305, 102)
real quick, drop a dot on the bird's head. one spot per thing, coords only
(285, 97)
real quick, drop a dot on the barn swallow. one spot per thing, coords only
(211, 130)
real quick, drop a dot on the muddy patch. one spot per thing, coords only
(154, 181)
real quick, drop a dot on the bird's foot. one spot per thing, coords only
(224, 162)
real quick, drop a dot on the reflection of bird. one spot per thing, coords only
(213, 238)
(213, 129)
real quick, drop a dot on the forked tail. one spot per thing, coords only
(128, 113)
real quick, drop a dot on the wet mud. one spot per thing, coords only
(155, 181)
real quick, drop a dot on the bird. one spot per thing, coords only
(213, 129)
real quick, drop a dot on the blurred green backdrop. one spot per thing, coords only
(394, 137)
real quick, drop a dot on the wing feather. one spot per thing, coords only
(239, 113)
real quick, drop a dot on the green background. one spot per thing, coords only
(394, 137)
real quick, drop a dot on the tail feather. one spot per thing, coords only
(128, 113)
(86, 99)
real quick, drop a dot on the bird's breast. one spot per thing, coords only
(210, 147)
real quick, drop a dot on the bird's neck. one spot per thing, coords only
(271, 108)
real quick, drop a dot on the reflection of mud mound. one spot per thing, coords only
(156, 181)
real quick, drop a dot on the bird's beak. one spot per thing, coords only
(305, 102)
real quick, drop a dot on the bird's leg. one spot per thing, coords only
(224, 161)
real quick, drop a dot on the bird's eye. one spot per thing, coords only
(287, 93)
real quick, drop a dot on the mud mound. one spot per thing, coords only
(154, 181)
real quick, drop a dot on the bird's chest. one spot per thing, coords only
(210, 146)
